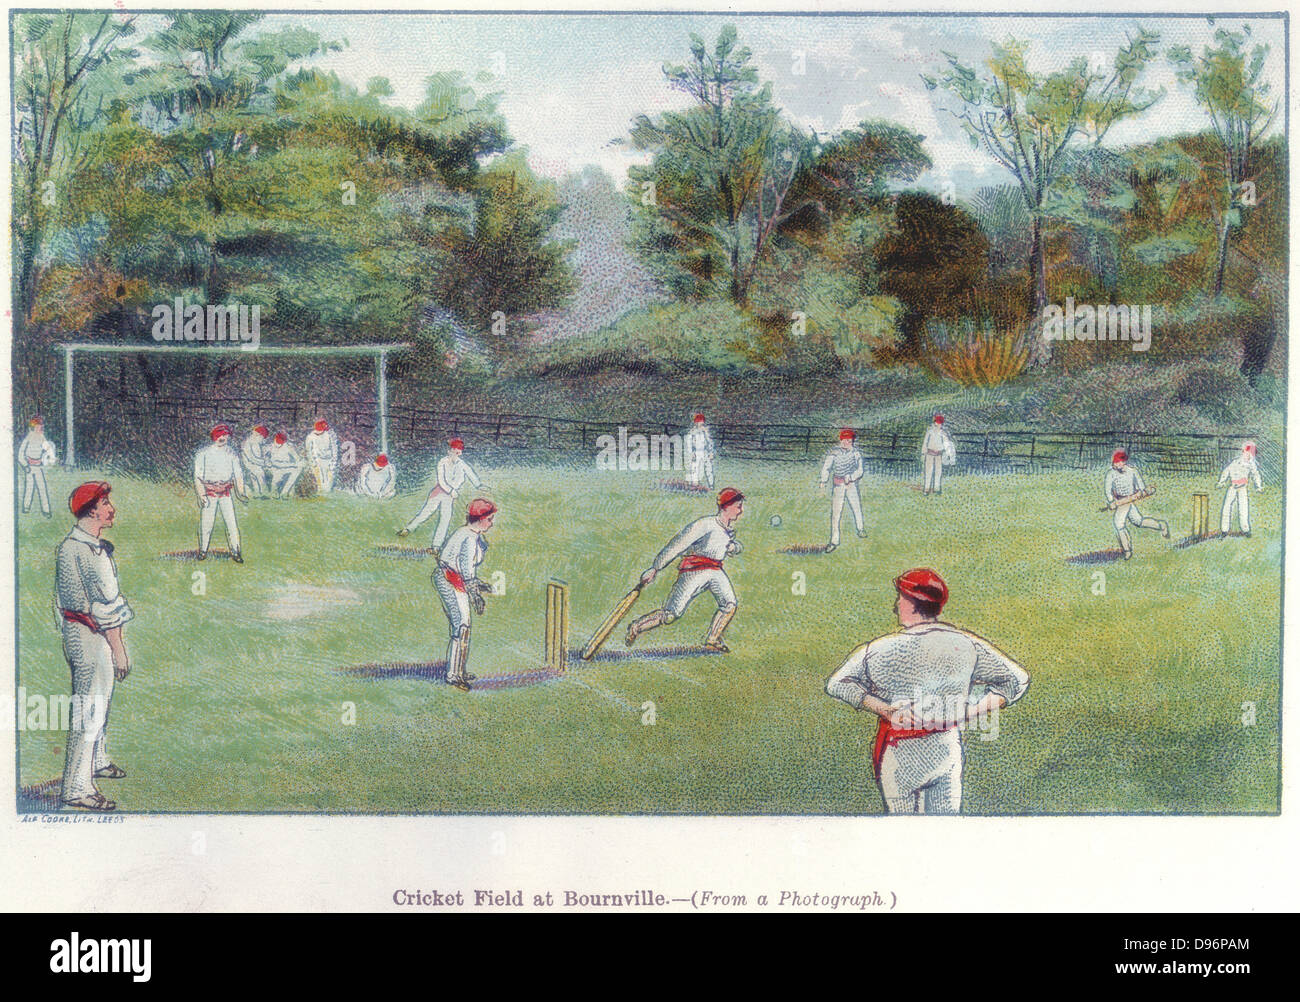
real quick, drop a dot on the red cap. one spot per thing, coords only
(728, 496)
(322, 425)
(262, 430)
(37, 420)
(456, 443)
(1120, 456)
(85, 497)
(219, 430)
(938, 419)
(281, 438)
(847, 435)
(924, 585)
(381, 460)
(1249, 447)
(699, 418)
(480, 508)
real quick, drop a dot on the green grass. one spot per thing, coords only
(236, 700)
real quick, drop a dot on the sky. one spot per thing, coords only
(571, 84)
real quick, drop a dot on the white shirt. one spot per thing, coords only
(85, 580)
(1240, 470)
(1122, 483)
(32, 454)
(931, 666)
(699, 442)
(846, 464)
(283, 457)
(253, 450)
(463, 552)
(375, 482)
(322, 446)
(936, 440)
(217, 464)
(453, 472)
(705, 537)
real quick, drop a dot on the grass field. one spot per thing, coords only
(237, 700)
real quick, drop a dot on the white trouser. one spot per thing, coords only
(1236, 495)
(283, 479)
(324, 473)
(35, 484)
(255, 476)
(923, 775)
(208, 518)
(690, 584)
(1126, 513)
(442, 503)
(839, 494)
(91, 662)
(455, 604)
(702, 468)
(933, 472)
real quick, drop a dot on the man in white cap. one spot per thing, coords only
(377, 479)
(937, 451)
(919, 683)
(1123, 488)
(35, 452)
(702, 546)
(322, 451)
(458, 587)
(252, 454)
(91, 612)
(453, 471)
(844, 466)
(216, 474)
(284, 465)
(1236, 475)
(699, 449)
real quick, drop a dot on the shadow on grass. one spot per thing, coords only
(193, 555)
(41, 798)
(1096, 557)
(436, 671)
(1183, 544)
(404, 552)
(804, 549)
(669, 652)
(681, 487)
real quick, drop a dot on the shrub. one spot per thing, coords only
(975, 356)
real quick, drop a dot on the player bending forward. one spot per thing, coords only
(918, 682)
(458, 587)
(1237, 475)
(377, 479)
(1122, 483)
(702, 545)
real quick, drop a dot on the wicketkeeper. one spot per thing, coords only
(458, 587)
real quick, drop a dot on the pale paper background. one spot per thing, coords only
(356, 863)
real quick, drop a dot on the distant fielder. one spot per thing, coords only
(453, 471)
(216, 474)
(1237, 476)
(699, 449)
(35, 453)
(1123, 488)
(322, 451)
(252, 454)
(458, 587)
(703, 546)
(937, 451)
(844, 466)
(918, 681)
(377, 479)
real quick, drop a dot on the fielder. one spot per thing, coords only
(284, 466)
(843, 465)
(91, 613)
(458, 587)
(252, 454)
(937, 451)
(703, 546)
(699, 447)
(35, 452)
(377, 479)
(322, 452)
(216, 474)
(1236, 474)
(918, 681)
(452, 474)
(1124, 481)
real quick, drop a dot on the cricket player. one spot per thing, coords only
(1236, 475)
(1124, 481)
(699, 447)
(35, 452)
(284, 466)
(216, 474)
(377, 479)
(918, 681)
(703, 546)
(322, 452)
(843, 465)
(458, 587)
(453, 471)
(252, 454)
(91, 613)
(937, 451)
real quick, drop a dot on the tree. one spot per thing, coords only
(1233, 92)
(1027, 121)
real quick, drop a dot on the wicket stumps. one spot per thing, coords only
(1200, 516)
(556, 642)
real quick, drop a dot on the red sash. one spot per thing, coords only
(888, 736)
(37, 462)
(80, 617)
(1239, 483)
(454, 577)
(694, 562)
(217, 490)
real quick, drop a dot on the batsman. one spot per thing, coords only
(702, 546)
(458, 587)
(1123, 488)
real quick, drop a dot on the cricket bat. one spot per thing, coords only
(606, 628)
(1131, 499)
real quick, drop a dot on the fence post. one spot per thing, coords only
(807, 442)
